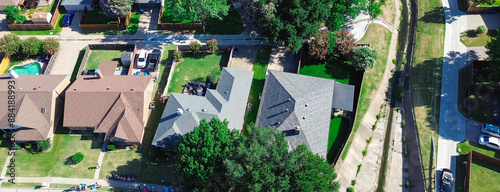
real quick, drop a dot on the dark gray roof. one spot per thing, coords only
(76, 2)
(343, 97)
(291, 100)
(228, 101)
(148, 1)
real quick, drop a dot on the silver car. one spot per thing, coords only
(490, 130)
(490, 141)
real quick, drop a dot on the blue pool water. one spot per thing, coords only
(28, 69)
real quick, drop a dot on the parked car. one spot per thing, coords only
(490, 141)
(68, 17)
(491, 130)
(154, 59)
(141, 60)
(446, 181)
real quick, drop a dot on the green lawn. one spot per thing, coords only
(484, 176)
(97, 56)
(196, 68)
(379, 39)
(139, 162)
(61, 186)
(24, 185)
(489, 3)
(134, 23)
(464, 147)
(338, 133)
(4, 150)
(56, 31)
(426, 79)
(55, 162)
(259, 69)
(315, 68)
(471, 39)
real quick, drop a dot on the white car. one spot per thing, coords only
(490, 141)
(141, 60)
(491, 130)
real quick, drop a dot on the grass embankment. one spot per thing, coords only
(97, 56)
(426, 79)
(196, 67)
(259, 71)
(379, 39)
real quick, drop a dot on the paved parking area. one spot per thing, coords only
(244, 57)
(472, 130)
(490, 20)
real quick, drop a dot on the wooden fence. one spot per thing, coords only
(476, 155)
(181, 26)
(52, 60)
(475, 9)
(31, 27)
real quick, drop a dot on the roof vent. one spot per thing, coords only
(204, 110)
(226, 91)
(289, 99)
(279, 122)
(108, 88)
(304, 117)
(133, 89)
(43, 109)
(287, 110)
(188, 109)
(179, 111)
(306, 104)
(297, 129)
(76, 89)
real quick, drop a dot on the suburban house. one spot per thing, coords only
(77, 5)
(115, 106)
(38, 105)
(184, 112)
(301, 106)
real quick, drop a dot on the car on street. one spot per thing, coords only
(446, 181)
(490, 129)
(490, 141)
(141, 60)
(68, 17)
(154, 59)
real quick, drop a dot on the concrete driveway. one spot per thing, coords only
(74, 29)
(283, 60)
(244, 58)
(490, 20)
(473, 130)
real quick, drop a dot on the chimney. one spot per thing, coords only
(13, 74)
(179, 111)
(98, 74)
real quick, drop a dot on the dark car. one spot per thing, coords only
(154, 59)
(446, 181)
(68, 17)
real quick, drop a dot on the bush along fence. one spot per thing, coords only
(33, 26)
(180, 26)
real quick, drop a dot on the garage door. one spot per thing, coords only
(74, 7)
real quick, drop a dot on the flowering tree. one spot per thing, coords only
(50, 46)
(10, 44)
(194, 46)
(345, 41)
(212, 45)
(318, 47)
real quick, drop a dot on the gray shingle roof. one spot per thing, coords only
(228, 101)
(291, 100)
(76, 2)
(343, 96)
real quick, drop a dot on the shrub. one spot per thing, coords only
(77, 158)
(350, 189)
(10, 44)
(363, 58)
(378, 116)
(392, 70)
(481, 29)
(5, 135)
(14, 15)
(111, 147)
(400, 18)
(212, 45)
(177, 55)
(404, 139)
(16, 146)
(353, 182)
(135, 146)
(43, 145)
(406, 169)
(374, 127)
(214, 75)
(403, 124)
(28, 145)
(407, 184)
(393, 61)
(364, 154)
(50, 46)
(195, 46)
(375, 10)
(406, 153)
(31, 46)
(359, 168)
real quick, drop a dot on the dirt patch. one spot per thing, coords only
(389, 11)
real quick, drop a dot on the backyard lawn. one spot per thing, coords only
(471, 39)
(379, 39)
(339, 128)
(230, 24)
(196, 68)
(55, 162)
(97, 16)
(259, 71)
(484, 176)
(478, 172)
(426, 79)
(97, 56)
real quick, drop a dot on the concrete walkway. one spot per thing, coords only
(101, 157)
(77, 181)
(5, 169)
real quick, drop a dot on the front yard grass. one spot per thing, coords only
(471, 39)
(426, 79)
(139, 163)
(259, 69)
(97, 56)
(24, 185)
(55, 163)
(484, 176)
(379, 39)
(196, 68)
(4, 150)
(61, 186)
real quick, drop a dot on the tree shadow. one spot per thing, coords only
(434, 16)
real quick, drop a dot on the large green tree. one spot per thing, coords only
(493, 52)
(116, 8)
(31, 46)
(198, 10)
(363, 58)
(10, 44)
(14, 15)
(200, 154)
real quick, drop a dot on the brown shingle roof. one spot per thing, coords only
(8, 2)
(32, 93)
(113, 105)
(108, 67)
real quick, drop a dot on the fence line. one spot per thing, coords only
(52, 60)
(32, 27)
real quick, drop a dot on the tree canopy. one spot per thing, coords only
(14, 15)
(10, 44)
(198, 10)
(493, 52)
(116, 8)
(318, 47)
(31, 46)
(363, 58)
(213, 158)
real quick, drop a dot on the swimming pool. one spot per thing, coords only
(28, 69)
